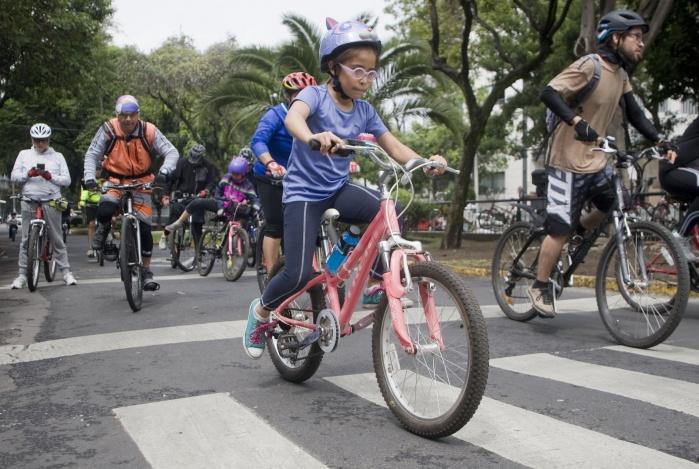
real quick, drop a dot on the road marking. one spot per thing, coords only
(209, 431)
(158, 278)
(10, 354)
(686, 355)
(574, 305)
(670, 393)
(532, 439)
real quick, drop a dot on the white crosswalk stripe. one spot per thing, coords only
(533, 439)
(209, 431)
(657, 390)
(663, 352)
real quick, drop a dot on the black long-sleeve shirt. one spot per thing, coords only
(687, 149)
(191, 179)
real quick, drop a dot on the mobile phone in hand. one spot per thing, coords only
(40, 166)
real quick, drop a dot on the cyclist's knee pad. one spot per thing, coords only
(146, 239)
(106, 210)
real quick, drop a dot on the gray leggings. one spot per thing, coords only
(54, 231)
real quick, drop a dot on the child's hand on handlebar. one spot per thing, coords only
(328, 142)
(436, 171)
(669, 148)
(354, 167)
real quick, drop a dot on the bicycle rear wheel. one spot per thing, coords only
(646, 312)
(131, 269)
(514, 269)
(206, 252)
(33, 257)
(307, 360)
(186, 251)
(50, 262)
(234, 257)
(435, 391)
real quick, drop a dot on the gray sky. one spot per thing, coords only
(147, 23)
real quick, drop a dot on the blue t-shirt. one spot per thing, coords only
(271, 137)
(311, 175)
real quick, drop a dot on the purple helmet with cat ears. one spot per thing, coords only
(342, 36)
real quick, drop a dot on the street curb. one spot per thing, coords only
(585, 281)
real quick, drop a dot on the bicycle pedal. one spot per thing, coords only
(288, 345)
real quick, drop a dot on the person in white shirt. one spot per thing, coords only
(42, 171)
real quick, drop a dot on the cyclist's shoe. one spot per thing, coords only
(90, 253)
(148, 283)
(68, 278)
(372, 295)
(19, 282)
(254, 339)
(685, 246)
(542, 301)
(100, 236)
(173, 226)
(162, 244)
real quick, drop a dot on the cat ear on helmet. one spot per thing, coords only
(330, 23)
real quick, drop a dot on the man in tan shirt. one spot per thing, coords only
(577, 172)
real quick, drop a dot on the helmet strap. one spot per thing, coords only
(337, 86)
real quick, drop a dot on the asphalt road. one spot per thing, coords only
(84, 382)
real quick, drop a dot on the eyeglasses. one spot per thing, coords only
(360, 73)
(637, 36)
(40, 140)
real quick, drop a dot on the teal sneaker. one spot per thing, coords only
(254, 339)
(372, 296)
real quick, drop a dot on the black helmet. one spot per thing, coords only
(619, 21)
(196, 154)
(248, 154)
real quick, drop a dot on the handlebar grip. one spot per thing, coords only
(315, 145)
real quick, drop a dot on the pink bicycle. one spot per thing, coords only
(429, 338)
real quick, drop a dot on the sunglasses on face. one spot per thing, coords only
(360, 73)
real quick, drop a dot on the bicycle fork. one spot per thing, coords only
(622, 233)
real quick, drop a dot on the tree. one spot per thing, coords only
(507, 41)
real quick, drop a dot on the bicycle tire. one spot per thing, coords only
(666, 284)
(234, 265)
(451, 379)
(49, 264)
(298, 371)
(33, 257)
(206, 252)
(509, 289)
(254, 237)
(186, 251)
(260, 267)
(131, 270)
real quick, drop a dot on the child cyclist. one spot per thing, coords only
(316, 181)
(234, 194)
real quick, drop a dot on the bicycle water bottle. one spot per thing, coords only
(342, 248)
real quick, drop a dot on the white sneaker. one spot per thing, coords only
(686, 248)
(69, 279)
(19, 282)
(162, 244)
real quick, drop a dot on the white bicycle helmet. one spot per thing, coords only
(40, 131)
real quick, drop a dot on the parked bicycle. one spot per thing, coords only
(229, 241)
(39, 246)
(429, 340)
(642, 280)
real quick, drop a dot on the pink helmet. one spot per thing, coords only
(297, 81)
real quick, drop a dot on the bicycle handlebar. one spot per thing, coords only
(608, 146)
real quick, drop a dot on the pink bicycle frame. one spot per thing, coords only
(383, 226)
(233, 226)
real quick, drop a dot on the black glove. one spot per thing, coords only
(162, 178)
(665, 146)
(90, 185)
(584, 132)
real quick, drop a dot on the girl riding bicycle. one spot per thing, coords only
(315, 181)
(234, 194)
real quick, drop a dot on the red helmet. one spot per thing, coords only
(297, 81)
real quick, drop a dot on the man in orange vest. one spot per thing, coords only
(128, 146)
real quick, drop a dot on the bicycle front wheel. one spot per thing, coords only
(49, 262)
(131, 269)
(299, 366)
(186, 252)
(206, 252)
(234, 256)
(435, 391)
(33, 257)
(514, 270)
(646, 311)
